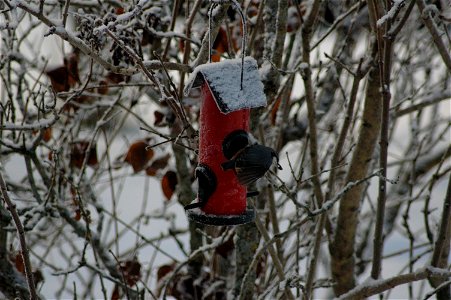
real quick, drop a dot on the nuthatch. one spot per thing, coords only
(251, 163)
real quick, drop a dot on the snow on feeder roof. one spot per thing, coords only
(224, 81)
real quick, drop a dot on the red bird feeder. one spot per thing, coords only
(224, 113)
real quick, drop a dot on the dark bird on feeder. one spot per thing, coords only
(251, 163)
(207, 185)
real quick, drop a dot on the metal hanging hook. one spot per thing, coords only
(243, 23)
(210, 46)
(243, 42)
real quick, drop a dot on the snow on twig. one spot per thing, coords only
(397, 5)
(372, 287)
(41, 124)
(125, 17)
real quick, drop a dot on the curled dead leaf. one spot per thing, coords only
(169, 183)
(103, 87)
(116, 295)
(163, 270)
(139, 155)
(220, 45)
(116, 78)
(226, 248)
(66, 76)
(77, 216)
(78, 152)
(18, 261)
(158, 164)
(20, 266)
(274, 110)
(131, 270)
(159, 117)
(46, 133)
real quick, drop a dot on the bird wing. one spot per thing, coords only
(253, 163)
(250, 173)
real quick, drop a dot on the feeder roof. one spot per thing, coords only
(224, 80)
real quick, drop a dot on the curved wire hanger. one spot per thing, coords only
(237, 6)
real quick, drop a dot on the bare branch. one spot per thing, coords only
(426, 16)
(23, 243)
(442, 243)
(424, 102)
(342, 247)
(373, 287)
(306, 73)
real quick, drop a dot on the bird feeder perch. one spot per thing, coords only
(225, 109)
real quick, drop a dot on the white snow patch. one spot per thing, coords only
(265, 69)
(303, 66)
(224, 81)
(125, 16)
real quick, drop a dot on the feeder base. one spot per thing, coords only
(199, 216)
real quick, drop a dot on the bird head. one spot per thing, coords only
(274, 154)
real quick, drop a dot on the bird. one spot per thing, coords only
(235, 141)
(251, 163)
(207, 185)
(248, 159)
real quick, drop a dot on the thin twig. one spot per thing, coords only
(311, 112)
(187, 50)
(441, 246)
(329, 203)
(214, 244)
(178, 110)
(384, 59)
(267, 244)
(257, 24)
(21, 233)
(444, 229)
(424, 102)
(122, 273)
(437, 289)
(337, 21)
(341, 64)
(175, 9)
(66, 12)
(272, 252)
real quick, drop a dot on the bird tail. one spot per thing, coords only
(228, 165)
(194, 205)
